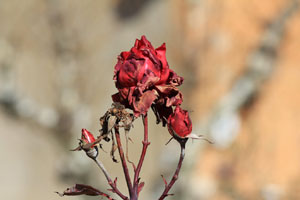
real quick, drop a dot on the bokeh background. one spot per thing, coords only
(240, 60)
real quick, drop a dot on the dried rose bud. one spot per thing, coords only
(179, 123)
(87, 137)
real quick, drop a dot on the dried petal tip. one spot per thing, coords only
(194, 136)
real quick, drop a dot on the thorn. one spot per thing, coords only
(169, 194)
(111, 190)
(115, 181)
(169, 140)
(165, 181)
(60, 194)
(76, 149)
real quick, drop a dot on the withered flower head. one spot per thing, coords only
(142, 76)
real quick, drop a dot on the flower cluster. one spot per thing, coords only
(143, 79)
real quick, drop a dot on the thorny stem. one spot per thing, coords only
(175, 176)
(139, 166)
(124, 164)
(109, 180)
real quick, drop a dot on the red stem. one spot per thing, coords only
(175, 176)
(142, 157)
(124, 164)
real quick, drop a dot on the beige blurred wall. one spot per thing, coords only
(58, 57)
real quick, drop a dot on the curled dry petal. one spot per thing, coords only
(170, 95)
(179, 123)
(142, 105)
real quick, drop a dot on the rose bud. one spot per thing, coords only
(87, 139)
(179, 123)
(180, 126)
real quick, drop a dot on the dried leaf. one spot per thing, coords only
(114, 147)
(80, 189)
(194, 136)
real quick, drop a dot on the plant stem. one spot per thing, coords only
(124, 164)
(109, 180)
(142, 157)
(175, 176)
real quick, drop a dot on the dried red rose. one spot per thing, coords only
(142, 65)
(143, 76)
(179, 123)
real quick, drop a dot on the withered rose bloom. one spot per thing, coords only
(179, 123)
(143, 77)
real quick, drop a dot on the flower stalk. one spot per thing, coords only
(175, 176)
(146, 143)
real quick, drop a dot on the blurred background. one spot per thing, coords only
(242, 87)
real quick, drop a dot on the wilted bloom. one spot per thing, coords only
(143, 76)
(142, 65)
(179, 123)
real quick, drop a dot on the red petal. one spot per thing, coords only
(142, 105)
